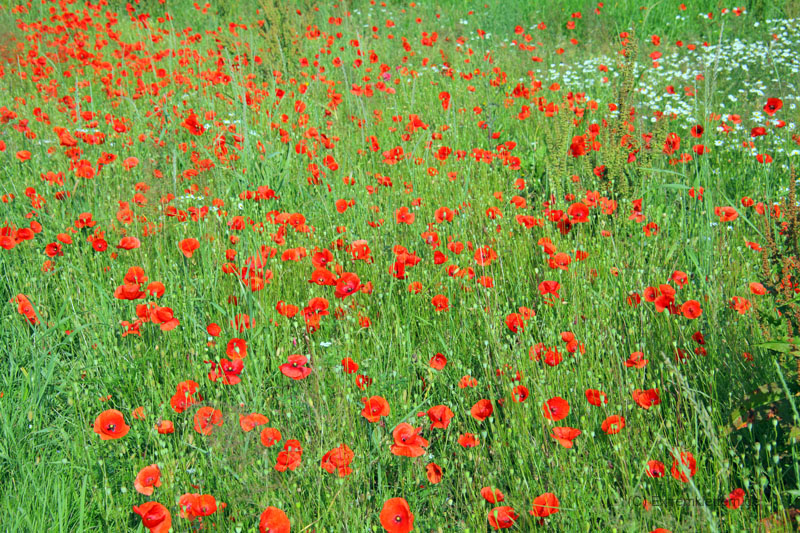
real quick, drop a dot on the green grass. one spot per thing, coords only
(56, 474)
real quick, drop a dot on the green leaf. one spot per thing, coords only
(776, 346)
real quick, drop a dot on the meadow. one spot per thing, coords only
(394, 266)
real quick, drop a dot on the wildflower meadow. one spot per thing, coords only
(366, 266)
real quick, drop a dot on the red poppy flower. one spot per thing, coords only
(192, 125)
(691, 309)
(188, 246)
(250, 422)
(555, 409)
(349, 366)
(636, 360)
(338, 460)
(468, 440)
(236, 349)
(346, 285)
(772, 106)
(433, 473)
(25, 308)
(515, 322)
(184, 396)
(565, 435)
(646, 398)
(404, 216)
(726, 214)
(550, 287)
(735, 499)
(655, 469)
(440, 302)
(155, 517)
(396, 516)
(492, 495)
(289, 458)
(440, 416)
(198, 505)
(374, 408)
(484, 256)
(270, 437)
(206, 418)
(613, 424)
(147, 479)
(407, 441)
(545, 505)
(295, 368)
(757, 288)
(686, 465)
(520, 393)
(273, 520)
(110, 425)
(596, 397)
(502, 517)
(165, 427)
(482, 410)
(438, 361)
